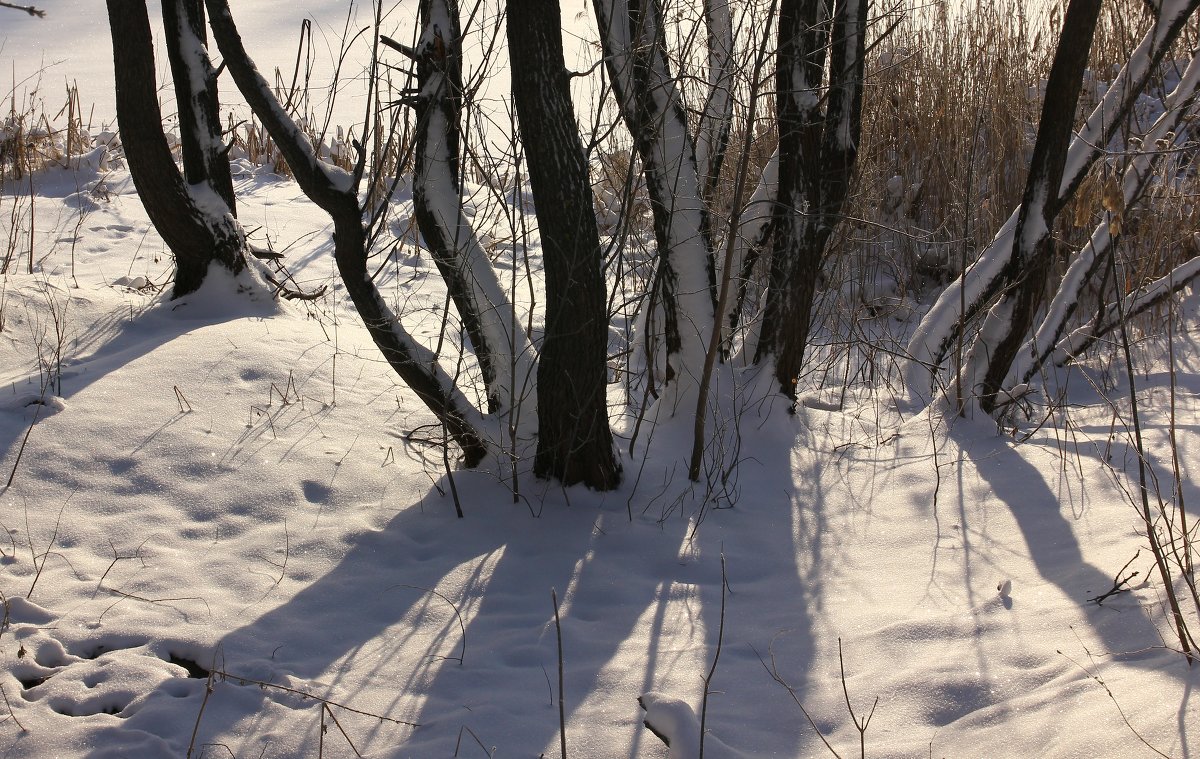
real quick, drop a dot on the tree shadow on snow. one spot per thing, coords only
(107, 345)
(1055, 550)
(449, 623)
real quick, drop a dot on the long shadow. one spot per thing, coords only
(106, 345)
(1054, 549)
(450, 624)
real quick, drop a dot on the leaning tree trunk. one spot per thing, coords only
(1088, 262)
(1024, 279)
(962, 302)
(336, 192)
(195, 236)
(574, 440)
(501, 347)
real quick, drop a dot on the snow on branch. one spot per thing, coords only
(716, 121)
(977, 287)
(1085, 264)
(652, 108)
(1134, 304)
(506, 357)
(319, 180)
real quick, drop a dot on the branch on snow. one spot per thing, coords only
(27, 8)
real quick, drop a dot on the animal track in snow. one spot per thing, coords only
(105, 675)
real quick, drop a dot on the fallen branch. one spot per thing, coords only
(27, 8)
(1120, 584)
(305, 695)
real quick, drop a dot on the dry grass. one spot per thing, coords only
(949, 123)
(32, 136)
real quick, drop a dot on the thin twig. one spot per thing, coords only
(860, 726)
(20, 451)
(46, 553)
(562, 709)
(10, 709)
(1120, 711)
(457, 615)
(773, 671)
(208, 690)
(306, 695)
(342, 730)
(1119, 583)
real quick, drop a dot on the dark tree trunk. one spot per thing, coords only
(195, 238)
(205, 160)
(574, 440)
(817, 153)
(1024, 278)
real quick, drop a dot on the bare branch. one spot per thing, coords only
(27, 8)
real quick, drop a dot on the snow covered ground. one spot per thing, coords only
(220, 538)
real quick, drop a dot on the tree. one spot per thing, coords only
(817, 151)
(1023, 279)
(651, 105)
(194, 216)
(574, 442)
(335, 191)
(986, 287)
(554, 391)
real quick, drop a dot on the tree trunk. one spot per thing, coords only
(574, 440)
(204, 157)
(1024, 279)
(501, 347)
(817, 153)
(633, 39)
(195, 237)
(1086, 264)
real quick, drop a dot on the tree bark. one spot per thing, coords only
(574, 441)
(196, 237)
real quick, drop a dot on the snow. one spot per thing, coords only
(228, 484)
